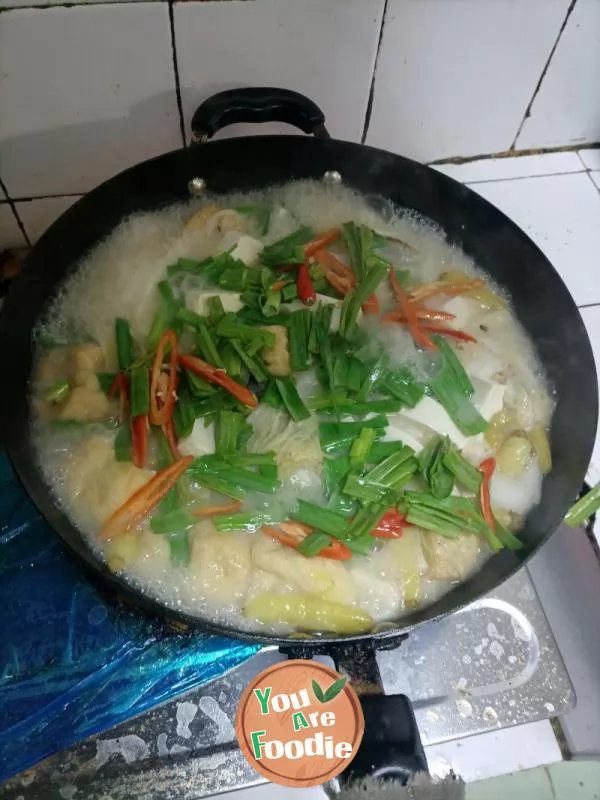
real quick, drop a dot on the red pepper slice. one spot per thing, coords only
(452, 332)
(144, 500)
(120, 386)
(323, 240)
(292, 533)
(409, 311)
(306, 290)
(161, 408)
(169, 431)
(371, 305)
(139, 438)
(220, 378)
(487, 468)
(391, 525)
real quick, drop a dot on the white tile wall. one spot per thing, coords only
(85, 92)
(38, 215)
(43, 3)
(455, 77)
(322, 48)
(10, 233)
(561, 214)
(567, 108)
(502, 169)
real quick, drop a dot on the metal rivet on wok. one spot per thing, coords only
(332, 176)
(197, 186)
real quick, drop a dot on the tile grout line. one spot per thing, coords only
(519, 177)
(588, 305)
(371, 97)
(11, 205)
(526, 151)
(543, 75)
(176, 72)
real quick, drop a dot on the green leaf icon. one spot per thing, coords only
(318, 692)
(330, 693)
(334, 689)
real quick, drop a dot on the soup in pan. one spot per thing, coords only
(288, 411)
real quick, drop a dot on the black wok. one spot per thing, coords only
(541, 301)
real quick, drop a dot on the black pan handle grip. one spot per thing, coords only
(257, 104)
(391, 747)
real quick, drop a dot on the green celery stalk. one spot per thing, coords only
(335, 436)
(218, 483)
(361, 447)
(365, 492)
(172, 522)
(124, 343)
(105, 379)
(312, 544)
(368, 385)
(271, 396)
(454, 366)
(508, 539)
(139, 391)
(466, 474)
(207, 346)
(385, 470)
(460, 410)
(253, 365)
(200, 387)
(227, 428)
(251, 481)
(583, 508)
(190, 317)
(179, 547)
(123, 443)
(321, 518)
(215, 308)
(381, 450)
(401, 385)
(366, 519)
(184, 414)
(230, 328)
(244, 521)
(321, 324)
(291, 399)
(334, 472)
(168, 306)
(288, 250)
(232, 363)
(432, 520)
(299, 332)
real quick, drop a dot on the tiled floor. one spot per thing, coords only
(555, 198)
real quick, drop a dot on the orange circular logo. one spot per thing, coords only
(299, 723)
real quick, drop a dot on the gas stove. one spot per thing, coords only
(492, 665)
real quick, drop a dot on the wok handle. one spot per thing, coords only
(257, 104)
(391, 747)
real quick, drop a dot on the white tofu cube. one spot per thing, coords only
(198, 301)
(200, 442)
(429, 412)
(245, 248)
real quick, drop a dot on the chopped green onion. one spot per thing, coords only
(233, 329)
(199, 386)
(215, 309)
(299, 333)
(291, 399)
(253, 365)
(139, 391)
(584, 508)
(218, 483)
(271, 396)
(245, 521)
(366, 519)
(207, 346)
(361, 447)
(180, 549)
(105, 380)
(190, 318)
(321, 519)
(335, 436)
(172, 521)
(166, 312)
(58, 392)
(508, 539)
(124, 343)
(466, 474)
(184, 414)
(401, 385)
(433, 469)
(227, 429)
(289, 250)
(123, 443)
(312, 544)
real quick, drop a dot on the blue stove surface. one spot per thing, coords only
(71, 663)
